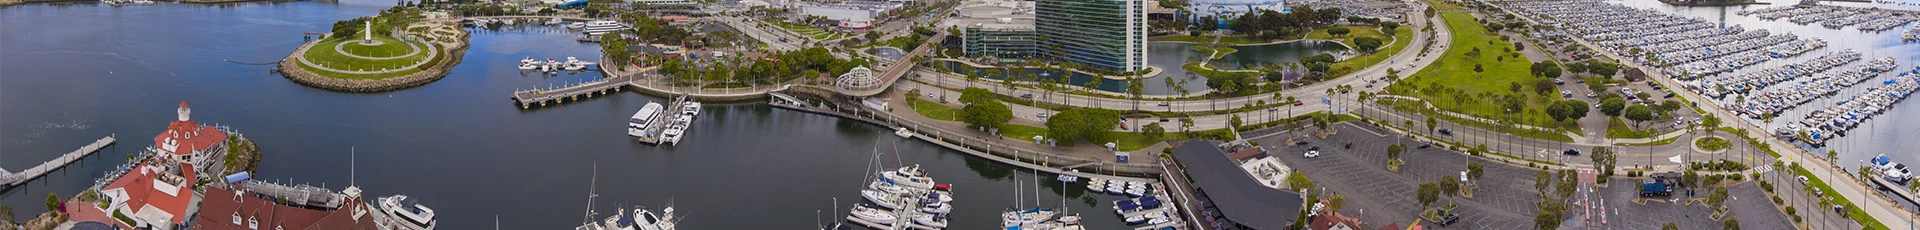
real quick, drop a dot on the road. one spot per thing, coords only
(773, 40)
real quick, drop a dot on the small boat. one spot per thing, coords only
(1116, 188)
(574, 64)
(883, 186)
(934, 196)
(1123, 207)
(528, 63)
(1016, 217)
(909, 176)
(618, 221)
(576, 25)
(937, 208)
(1097, 184)
(903, 133)
(646, 220)
(865, 212)
(1136, 192)
(403, 213)
(1068, 178)
(931, 220)
(884, 199)
(554, 21)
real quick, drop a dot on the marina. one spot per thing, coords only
(1691, 47)
(1835, 120)
(1775, 99)
(1739, 85)
(658, 125)
(1835, 17)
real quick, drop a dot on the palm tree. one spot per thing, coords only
(1134, 87)
(1093, 86)
(994, 72)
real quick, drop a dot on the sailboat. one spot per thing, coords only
(590, 225)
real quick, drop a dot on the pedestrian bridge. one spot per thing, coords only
(893, 73)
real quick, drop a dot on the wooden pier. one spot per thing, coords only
(8, 180)
(572, 92)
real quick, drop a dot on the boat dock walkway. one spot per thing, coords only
(662, 120)
(572, 92)
(1897, 188)
(9, 180)
(940, 138)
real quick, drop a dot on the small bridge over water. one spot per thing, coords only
(9, 180)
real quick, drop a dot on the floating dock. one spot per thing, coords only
(654, 135)
(8, 180)
(562, 94)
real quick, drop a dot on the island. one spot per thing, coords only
(395, 50)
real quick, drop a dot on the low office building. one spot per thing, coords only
(1232, 198)
(996, 29)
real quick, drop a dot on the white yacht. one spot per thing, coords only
(637, 126)
(576, 25)
(937, 208)
(884, 199)
(910, 177)
(872, 214)
(691, 109)
(574, 64)
(554, 21)
(645, 219)
(931, 219)
(597, 27)
(1025, 217)
(403, 213)
(528, 63)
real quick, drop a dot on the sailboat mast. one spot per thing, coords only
(591, 186)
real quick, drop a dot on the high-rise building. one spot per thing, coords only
(1105, 34)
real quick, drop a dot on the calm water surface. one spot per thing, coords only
(73, 73)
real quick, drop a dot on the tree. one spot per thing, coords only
(1604, 158)
(1558, 111)
(1450, 184)
(990, 114)
(1367, 44)
(1690, 178)
(1717, 199)
(1669, 226)
(1431, 125)
(1337, 202)
(1575, 109)
(1541, 181)
(973, 95)
(1427, 193)
(1388, 27)
(1153, 130)
(1548, 217)
(1081, 123)
(1565, 184)
(1299, 181)
(6, 214)
(53, 201)
(1474, 171)
(1612, 106)
(1338, 31)
(1710, 121)
(1732, 224)
(1639, 114)
(1477, 69)
(1543, 87)
(1394, 150)
(1135, 88)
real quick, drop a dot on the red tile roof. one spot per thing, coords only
(141, 191)
(190, 136)
(220, 205)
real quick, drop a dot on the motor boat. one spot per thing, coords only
(404, 213)
(869, 213)
(528, 63)
(937, 208)
(646, 220)
(910, 177)
(1016, 217)
(883, 186)
(931, 219)
(1097, 184)
(554, 21)
(884, 199)
(574, 64)
(1123, 207)
(617, 221)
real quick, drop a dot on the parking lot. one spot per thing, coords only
(1505, 198)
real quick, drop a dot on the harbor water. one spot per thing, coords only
(74, 72)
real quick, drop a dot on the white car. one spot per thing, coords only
(1312, 154)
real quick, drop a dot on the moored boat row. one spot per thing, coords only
(1824, 124)
(1741, 84)
(1793, 94)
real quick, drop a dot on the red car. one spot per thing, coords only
(1299, 103)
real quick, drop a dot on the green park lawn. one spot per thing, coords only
(809, 31)
(1223, 50)
(1455, 70)
(1619, 129)
(324, 54)
(1401, 37)
(389, 47)
(934, 110)
(1126, 140)
(1353, 32)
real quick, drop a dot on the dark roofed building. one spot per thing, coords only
(1245, 155)
(1237, 199)
(239, 208)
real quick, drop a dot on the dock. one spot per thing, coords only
(662, 120)
(1897, 188)
(9, 180)
(571, 92)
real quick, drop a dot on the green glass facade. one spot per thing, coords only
(1001, 42)
(1105, 34)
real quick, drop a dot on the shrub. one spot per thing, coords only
(1776, 200)
(1790, 212)
(1766, 186)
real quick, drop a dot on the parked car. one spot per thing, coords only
(1300, 142)
(1571, 152)
(1299, 103)
(1803, 179)
(1448, 218)
(1314, 148)
(1349, 144)
(1425, 145)
(1312, 154)
(1164, 119)
(1041, 115)
(1446, 132)
(1026, 95)
(1165, 104)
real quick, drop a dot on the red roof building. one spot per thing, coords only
(152, 196)
(188, 141)
(241, 208)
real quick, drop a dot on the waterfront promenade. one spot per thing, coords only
(9, 179)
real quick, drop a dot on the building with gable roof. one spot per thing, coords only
(190, 142)
(151, 196)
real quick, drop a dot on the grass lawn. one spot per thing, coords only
(934, 110)
(1401, 37)
(1223, 50)
(1455, 71)
(809, 31)
(1354, 32)
(1617, 128)
(1855, 213)
(389, 47)
(324, 54)
(358, 76)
